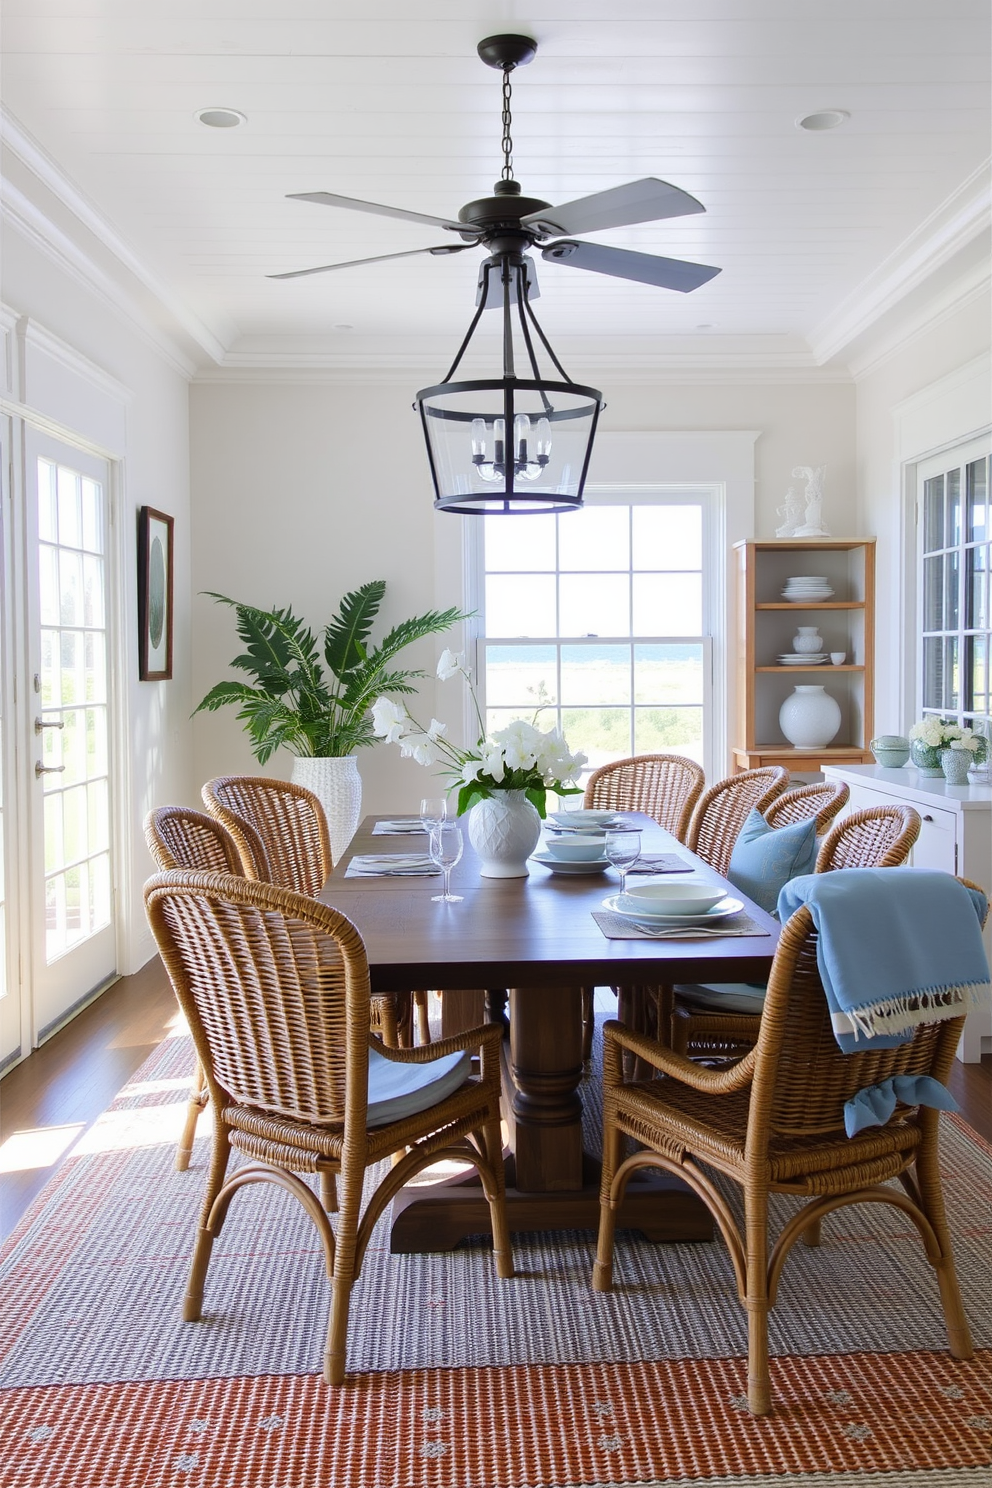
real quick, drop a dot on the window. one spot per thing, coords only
(955, 551)
(597, 619)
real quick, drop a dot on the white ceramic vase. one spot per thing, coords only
(809, 718)
(807, 641)
(504, 829)
(338, 787)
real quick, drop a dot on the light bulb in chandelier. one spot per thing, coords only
(531, 447)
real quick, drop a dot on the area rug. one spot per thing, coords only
(457, 1379)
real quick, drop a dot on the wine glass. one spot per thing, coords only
(623, 850)
(433, 811)
(445, 847)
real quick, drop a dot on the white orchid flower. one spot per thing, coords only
(388, 719)
(450, 664)
(436, 730)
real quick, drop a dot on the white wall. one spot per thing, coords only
(303, 489)
(149, 442)
(951, 355)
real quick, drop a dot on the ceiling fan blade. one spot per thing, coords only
(329, 199)
(638, 201)
(355, 263)
(645, 268)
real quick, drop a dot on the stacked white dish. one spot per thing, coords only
(806, 589)
(792, 658)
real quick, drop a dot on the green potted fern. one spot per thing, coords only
(314, 697)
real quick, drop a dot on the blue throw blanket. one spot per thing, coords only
(896, 947)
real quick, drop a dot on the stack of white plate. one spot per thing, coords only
(806, 589)
(793, 659)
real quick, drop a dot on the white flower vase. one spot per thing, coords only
(504, 829)
(338, 787)
(807, 641)
(809, 718)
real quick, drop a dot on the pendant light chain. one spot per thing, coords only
(507, 141)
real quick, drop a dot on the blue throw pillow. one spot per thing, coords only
(765, 858)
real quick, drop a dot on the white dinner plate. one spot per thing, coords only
(727, 906)
(583, 820)
(562, 865)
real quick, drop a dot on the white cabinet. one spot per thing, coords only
(955, 837)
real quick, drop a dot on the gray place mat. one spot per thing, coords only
(615, 927)
(402, 825)
(661, 863)
(391, 865)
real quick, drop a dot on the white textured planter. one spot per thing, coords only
(504, 830)
(338, 787)
(807, 641)
(809, 717)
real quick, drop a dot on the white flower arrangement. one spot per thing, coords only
(936, 733)
(519, 757)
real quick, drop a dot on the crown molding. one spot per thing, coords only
(955, 223)
(71, 257)
(970, 288)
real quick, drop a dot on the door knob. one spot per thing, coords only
(43, 723)
(40, 769)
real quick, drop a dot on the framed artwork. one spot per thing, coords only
(154, 595)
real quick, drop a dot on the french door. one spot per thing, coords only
(65, 717)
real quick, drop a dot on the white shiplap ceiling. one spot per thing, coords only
(386, 100)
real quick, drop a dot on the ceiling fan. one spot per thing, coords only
(510, 223)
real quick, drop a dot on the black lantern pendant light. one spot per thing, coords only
(508, 444)
(522, 444)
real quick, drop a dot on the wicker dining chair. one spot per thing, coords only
(878, 837)
(773, 1123)
(823, 800)
(665, 787)
(179, 837)
(275, 987)
(722, 810)
(290, 823)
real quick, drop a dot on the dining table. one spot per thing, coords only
(519, 951)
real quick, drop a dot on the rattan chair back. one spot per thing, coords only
(723, 809)
(287, 819)
(663, 786)
(179, 837)
(275, 988)
(822, 800)
(877, 837)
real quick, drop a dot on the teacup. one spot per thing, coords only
(838, 657)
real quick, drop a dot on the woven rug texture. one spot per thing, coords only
(456, 1378)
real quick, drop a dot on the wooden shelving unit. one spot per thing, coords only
(766, 624)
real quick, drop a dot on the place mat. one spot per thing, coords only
(391, 865)
(402, 824)
(615, 927)
(661, 863)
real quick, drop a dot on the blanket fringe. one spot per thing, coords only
(924, 1005)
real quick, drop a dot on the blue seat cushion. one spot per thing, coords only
(723, 997)
(400, 1090)
(765, 858)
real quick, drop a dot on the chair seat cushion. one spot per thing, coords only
(723, 997)
(397, 1091)
(765, 858)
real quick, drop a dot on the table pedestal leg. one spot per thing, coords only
(540, 1079)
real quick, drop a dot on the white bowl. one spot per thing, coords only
(662, 899)
(574, 849)
(582, 818)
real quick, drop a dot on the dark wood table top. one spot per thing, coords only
(521, 932)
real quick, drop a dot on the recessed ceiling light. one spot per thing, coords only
(344, 327)
(706, 326)
(221, 118)
(825, 119)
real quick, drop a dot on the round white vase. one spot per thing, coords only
(809, 717)
(338, 787)
(504, 830)
(807, 641)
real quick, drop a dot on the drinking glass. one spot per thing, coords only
(623, 850)
(433, 811)
(445, 847)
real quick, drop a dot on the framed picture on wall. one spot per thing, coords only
(154, 595)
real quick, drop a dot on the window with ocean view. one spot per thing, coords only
(594, 620)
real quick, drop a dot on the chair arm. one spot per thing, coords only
(717, 1082)
(473, 1038)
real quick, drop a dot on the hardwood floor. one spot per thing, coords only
(60, 1090)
